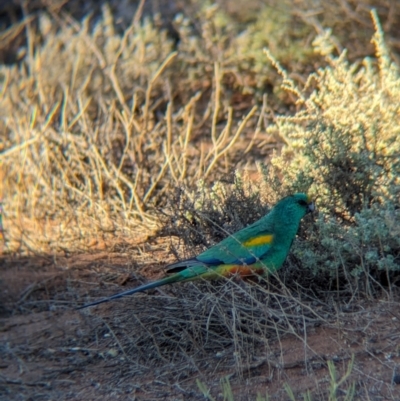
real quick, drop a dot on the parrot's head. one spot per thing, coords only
(304, 202)
(287, 214)
(295, 207)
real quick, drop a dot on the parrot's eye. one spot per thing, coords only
(302, 202)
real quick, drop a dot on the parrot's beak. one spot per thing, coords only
(311, 207)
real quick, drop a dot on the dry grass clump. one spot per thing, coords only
(99, 128)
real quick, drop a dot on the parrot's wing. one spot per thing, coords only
(242, 248)
(194, 264)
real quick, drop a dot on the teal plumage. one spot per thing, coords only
(260, 248)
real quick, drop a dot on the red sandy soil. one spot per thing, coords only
(52, 352)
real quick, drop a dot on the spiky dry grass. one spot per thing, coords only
(96, 141)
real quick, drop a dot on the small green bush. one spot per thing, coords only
(342, 146)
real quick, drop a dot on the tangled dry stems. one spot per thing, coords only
(108, 133)
(230, 322)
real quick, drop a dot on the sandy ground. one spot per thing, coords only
(52, 352)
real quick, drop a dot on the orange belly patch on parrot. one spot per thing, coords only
(242, 271)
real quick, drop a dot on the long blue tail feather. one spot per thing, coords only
(167, 280)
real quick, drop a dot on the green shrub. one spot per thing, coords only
(342, 146)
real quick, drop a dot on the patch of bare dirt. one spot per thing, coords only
(154, 346)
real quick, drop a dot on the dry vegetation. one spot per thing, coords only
(124, 146)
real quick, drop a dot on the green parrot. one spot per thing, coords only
(258, 249)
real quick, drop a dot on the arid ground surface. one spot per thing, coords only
(51, 351)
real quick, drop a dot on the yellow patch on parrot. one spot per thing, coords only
(260, 240)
